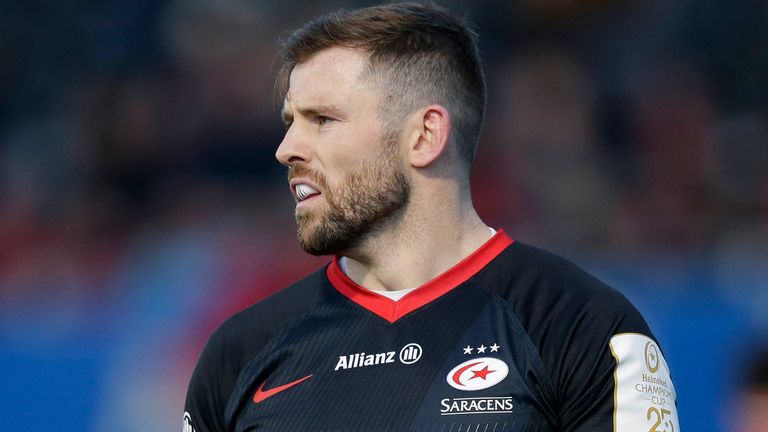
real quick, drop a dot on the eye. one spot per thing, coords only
(323, 120)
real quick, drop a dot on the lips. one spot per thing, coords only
(304, 189)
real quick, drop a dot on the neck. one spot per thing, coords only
(434, 233)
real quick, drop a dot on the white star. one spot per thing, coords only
(494, 347)
(468, 350)
(481, 349)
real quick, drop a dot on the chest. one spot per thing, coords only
(463, 363)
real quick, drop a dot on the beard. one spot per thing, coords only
(359, 205)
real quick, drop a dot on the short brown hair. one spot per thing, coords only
(419, 54)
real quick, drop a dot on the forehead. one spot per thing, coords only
(331, 76)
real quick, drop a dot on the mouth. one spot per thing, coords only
(304, 190)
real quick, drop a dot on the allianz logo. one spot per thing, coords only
(409, 354)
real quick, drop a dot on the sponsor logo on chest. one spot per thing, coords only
(409, 354)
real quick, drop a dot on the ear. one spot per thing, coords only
(432, 129)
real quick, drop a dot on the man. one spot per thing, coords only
(427, 319)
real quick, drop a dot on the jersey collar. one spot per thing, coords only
(392, 310)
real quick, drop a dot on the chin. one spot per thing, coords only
(312, 242)
(317, 241)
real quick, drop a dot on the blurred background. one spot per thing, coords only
(140, 203)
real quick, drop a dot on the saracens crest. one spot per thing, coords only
(477, 374)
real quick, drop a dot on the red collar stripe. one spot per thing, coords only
(392, 310)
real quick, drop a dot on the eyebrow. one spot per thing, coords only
(312, 110)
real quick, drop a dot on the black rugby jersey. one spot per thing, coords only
(510, 339)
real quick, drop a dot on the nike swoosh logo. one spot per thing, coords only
(262, 394)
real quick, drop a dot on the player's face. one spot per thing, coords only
(344, 165)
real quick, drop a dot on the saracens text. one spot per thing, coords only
(480, 405)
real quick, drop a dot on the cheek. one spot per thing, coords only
(345, 148)
(347, 151)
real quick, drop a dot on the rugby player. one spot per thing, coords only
(426, 319)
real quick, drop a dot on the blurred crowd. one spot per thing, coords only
(140, 202)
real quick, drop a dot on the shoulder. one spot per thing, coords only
(594, 347)
(525, 265)
(244, 333)
(238, 340)
(574, 321)
(544, 288)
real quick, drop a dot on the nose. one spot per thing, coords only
(292, 150)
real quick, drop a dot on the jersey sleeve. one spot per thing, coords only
(614, 376)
